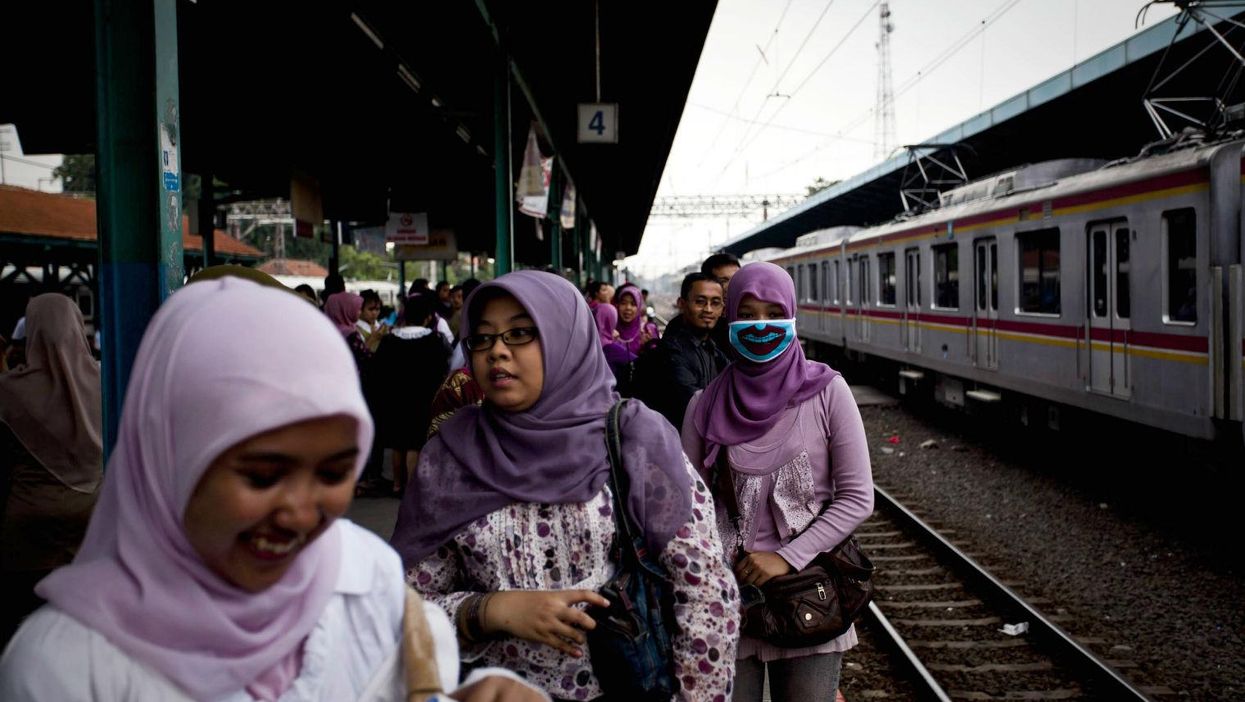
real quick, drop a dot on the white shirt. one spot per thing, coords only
(443, 327)
(351, 654)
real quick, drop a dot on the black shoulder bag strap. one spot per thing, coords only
(619, 483)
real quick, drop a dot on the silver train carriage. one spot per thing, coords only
(1116, 289)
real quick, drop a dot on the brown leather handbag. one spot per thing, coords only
(813, 605)
(808, 607)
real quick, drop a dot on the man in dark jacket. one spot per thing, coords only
(686, 358)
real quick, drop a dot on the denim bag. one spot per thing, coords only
(630, 646)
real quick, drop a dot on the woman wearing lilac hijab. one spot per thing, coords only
(508, 521)
(786, 433)
(215, 566)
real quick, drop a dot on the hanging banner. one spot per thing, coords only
(568, 207)
(532, 195)
(306, 205)
(407, 228)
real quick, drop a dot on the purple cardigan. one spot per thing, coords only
(822, 456)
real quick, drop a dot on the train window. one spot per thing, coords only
(947, 276)
(1099, 244)
(825, 281)
(835, 286)
(1039, 271)
(912, 281)
(812, 282)
(847, 283)
(865, 282)
(886, 278)
(1180, 240)
(1123, 302)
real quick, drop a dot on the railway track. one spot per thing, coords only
(952, 626)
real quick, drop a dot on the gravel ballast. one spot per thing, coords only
(1129, 536)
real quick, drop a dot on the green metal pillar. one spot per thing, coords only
(139, 208)
(554, 213)
(502, 182)
(207, 218)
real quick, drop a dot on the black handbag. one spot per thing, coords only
(808, 607)
(630, 647)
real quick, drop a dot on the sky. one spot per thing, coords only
(785, 91)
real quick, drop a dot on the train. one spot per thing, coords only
(1114, 288)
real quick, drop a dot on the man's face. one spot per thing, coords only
(703, 305)
(443, 292)
(724, 275)
(456, 300)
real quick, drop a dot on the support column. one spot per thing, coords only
(207, 218)
(555, 228)
(138, 206)
(335, 235)
(503, 183)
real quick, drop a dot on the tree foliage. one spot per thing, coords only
(818, 185)
(363, 265)
(77, 173)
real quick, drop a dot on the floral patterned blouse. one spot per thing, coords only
(529, 546)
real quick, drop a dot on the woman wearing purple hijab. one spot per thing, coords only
(216, 565)
(634, 330)
(788, 435)
(508, 521)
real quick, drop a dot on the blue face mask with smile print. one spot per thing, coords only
(761, 341)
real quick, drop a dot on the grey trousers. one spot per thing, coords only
(805, 679)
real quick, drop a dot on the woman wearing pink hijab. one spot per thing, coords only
(50, 453)
(620, 359)
(343, 309)
(215, 566)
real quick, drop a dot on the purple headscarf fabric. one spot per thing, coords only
(553, 453)
(344, 308)
(748, 398)
(193, 394)
(606, 317)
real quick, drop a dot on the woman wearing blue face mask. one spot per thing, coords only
(781, 441)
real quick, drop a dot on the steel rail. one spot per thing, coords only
(1111, 685)
(933, 690)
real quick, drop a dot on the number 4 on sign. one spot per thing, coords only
(598, 123)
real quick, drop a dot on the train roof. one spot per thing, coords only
(1038, 183)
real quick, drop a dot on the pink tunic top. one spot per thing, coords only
(821, 490)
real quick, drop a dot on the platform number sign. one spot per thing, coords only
(598, 123)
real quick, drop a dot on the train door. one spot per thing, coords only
(862, 296)
(912, 301)
(1110, 308)
(986, 310)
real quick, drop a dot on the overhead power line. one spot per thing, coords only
(700, 206)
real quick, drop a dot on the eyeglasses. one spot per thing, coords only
(511, 337)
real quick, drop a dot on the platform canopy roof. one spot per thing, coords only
(1092, 110)
(387, 103)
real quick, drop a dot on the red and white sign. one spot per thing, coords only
(407, 228)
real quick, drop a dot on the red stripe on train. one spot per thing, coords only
(1158, 340)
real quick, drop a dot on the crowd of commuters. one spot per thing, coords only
(209, 561)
